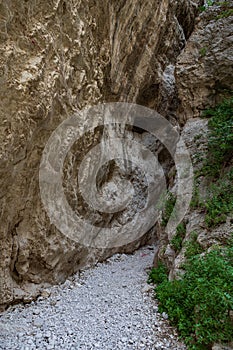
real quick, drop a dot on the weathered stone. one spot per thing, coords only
(222, 347)
(194, 135)
(204, 70)
(56, 58)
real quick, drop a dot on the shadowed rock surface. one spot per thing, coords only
(56, 58)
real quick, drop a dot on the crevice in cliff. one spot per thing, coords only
(152, 92)
(14, 254)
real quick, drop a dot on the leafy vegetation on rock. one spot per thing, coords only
(206, 5)
(217, 166)
(168, 208)
(225, 9)
(192, 246)
(225, 14)
(224, 5)
(219, 203)
(177, 240)
(200, 303)
(220, 138)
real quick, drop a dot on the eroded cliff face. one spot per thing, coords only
(204, 70)
(145, 46)
(195, 136)
(203, 78)
(56, 58)
(51, 64)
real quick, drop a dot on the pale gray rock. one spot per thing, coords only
(204, 70)
(194, 134)
(222, 347)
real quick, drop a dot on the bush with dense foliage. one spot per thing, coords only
(199, 303)
(217, 166)
(220, 138)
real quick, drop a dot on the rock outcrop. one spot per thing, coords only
(56, 58)
(203, 78)
(195, 136)
(204, 70)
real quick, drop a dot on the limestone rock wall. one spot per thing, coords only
(194, 135)
(203, 78)
(144, 48)
(204, 69)
(51, 65)
(57, 57)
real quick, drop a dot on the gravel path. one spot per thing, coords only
(108, 307)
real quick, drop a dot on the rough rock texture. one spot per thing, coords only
(194, 135)
(57, 57)
(47, 50)
(145, 46)
(204, 70)
(203, 78)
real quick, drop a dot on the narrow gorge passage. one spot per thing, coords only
(108, 307)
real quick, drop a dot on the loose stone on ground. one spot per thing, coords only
(107, 307)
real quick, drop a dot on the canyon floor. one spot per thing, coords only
(110, 306)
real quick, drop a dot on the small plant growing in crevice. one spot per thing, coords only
(168, 208)
(203, 51)
(196, 198)
(177, 240)
(206, 5)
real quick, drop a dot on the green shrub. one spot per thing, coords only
(200, 302)
(192, 246)
(217, 166)
(177, 240)
(159, 274)
(219, 203)
(168, 208)
(220, 138)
